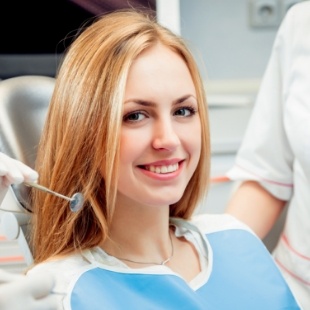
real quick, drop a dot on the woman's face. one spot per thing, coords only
(161, 130)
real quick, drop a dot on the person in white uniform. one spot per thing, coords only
(127, 126)
(273, 162)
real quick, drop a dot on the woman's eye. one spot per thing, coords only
(185, 111)
(134, 117)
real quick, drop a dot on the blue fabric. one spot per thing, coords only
(243, 276)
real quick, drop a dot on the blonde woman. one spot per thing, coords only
(128, 127)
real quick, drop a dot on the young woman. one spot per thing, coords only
(128, 127)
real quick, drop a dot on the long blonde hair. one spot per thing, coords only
(79, 147)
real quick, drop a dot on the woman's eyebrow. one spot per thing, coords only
(142, 102)
(184, 98)
(146, 103)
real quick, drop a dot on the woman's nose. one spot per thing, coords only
(166, 136)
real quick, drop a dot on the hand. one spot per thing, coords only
(13, 172)
(33, 292)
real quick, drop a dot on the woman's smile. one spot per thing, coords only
(162, 169)
(162, 172)
(162, 166)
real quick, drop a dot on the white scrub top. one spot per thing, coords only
(276, 147)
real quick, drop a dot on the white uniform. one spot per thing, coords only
(276, 147)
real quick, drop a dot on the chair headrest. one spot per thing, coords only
(23, 106)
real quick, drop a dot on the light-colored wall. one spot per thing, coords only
(229, 46)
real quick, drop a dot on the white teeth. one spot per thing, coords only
(172, 168)
(163, 169)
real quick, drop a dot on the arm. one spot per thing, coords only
(256, 207)
(265, 160)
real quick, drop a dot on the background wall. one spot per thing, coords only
(221, 29)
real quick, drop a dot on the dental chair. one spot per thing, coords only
(23, 106)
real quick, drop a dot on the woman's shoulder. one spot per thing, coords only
(209, 223)
(298, 16)
(63, 269)
(300, 9)
(73, 260)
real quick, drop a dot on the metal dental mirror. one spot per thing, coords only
(76, 201)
